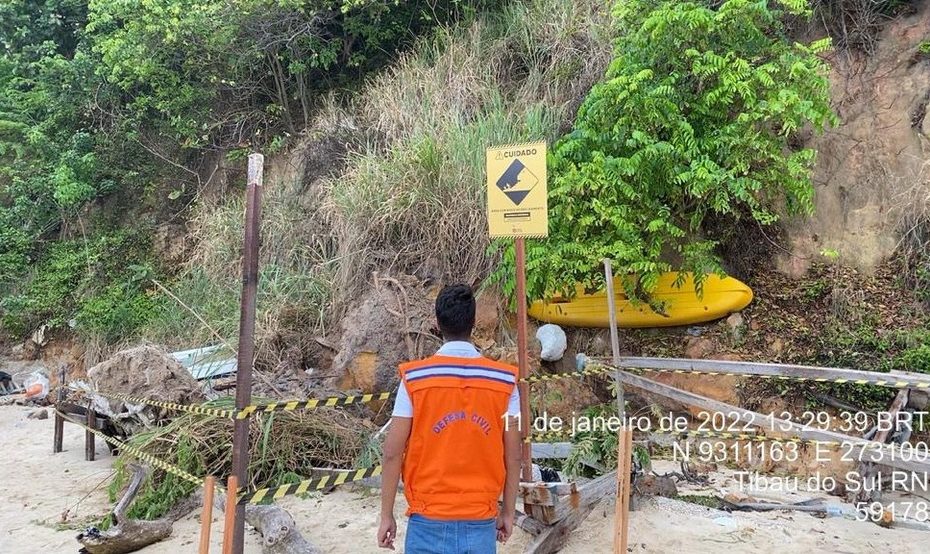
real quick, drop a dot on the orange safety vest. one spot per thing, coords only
(454, 463)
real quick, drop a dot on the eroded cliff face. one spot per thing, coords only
(873, 168)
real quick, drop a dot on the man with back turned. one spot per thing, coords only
(454, 435)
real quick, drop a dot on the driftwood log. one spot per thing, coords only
(275, 525)
(277, 528)
(129, 535)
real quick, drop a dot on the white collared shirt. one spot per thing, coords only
(456, 349)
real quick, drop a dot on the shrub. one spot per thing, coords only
(92, 285)
(694, 117)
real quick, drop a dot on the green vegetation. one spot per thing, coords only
(108, 108)
(597, 448)
(65, 288)
(707, 501)
(285, 448)
(222, 73)
(866, 347)
(412, 188)
(694, 119)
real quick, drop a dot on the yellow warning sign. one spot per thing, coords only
(517, 192)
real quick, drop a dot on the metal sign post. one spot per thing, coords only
(246, 355)
(518, 208)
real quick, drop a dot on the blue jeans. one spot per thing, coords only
(439, 536)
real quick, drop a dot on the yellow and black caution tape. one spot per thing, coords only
(271, 494)
(286, 406)
(294, 405)
(189, 408)
(586, 372)
(598, 370)
(145, 457)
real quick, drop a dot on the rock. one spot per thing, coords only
(754, 325)
(38, 414)
(360, 372)
(654, 485)
(487, 319)
(10, 399)
(702, 467)
(717, 387)
(553, 342)
(145, 372)
(563, 398)
(737, 497)
(736, 325)
(390, 324)
(600, 345)
(695, 331)
(776, 347)
(699, 348)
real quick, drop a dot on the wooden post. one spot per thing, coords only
(622, 509)
(246, 354)
(522, 362)
(89, 446)
(230, 526)
(206, 517)
(614, 334)
(59, 433)
(59, 421)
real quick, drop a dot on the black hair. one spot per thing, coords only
(455, 311)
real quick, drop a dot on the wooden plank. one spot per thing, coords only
(628, 479)
(553, 538)
(544, 493)
(549, 502)
(875, 452)
(868, 470)
(774, 370)
(622, 507)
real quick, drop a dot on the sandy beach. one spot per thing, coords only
(49, 498)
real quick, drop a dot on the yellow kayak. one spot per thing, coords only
(682, 305)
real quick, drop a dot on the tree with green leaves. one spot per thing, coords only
(695, 117)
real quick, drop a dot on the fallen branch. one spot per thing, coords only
(129, 535)
(275, 525)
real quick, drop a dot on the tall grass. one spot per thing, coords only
(413, 198)
(400, 185)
